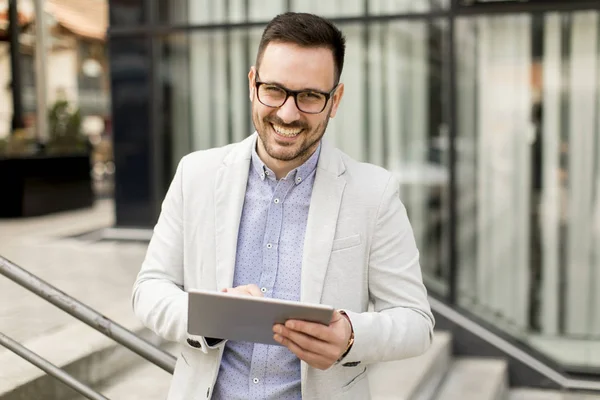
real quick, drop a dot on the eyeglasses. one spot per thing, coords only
(307, 101)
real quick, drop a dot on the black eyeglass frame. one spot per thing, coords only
(294, 94)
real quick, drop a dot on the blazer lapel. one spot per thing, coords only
(324, 209)
(320, 230)
(322, 220)
(230, 192)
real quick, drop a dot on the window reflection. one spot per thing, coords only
(528, 168)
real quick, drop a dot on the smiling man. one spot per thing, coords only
(283, 214)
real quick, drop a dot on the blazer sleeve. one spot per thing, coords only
(401, 325)
(159, 299)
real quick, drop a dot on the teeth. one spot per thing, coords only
(286, 131)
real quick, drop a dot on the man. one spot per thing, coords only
(282, 214)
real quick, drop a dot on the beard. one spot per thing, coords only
(301, 149)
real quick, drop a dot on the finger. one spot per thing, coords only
(244, 290)
(237, 291)
(337, 316)
(313, 329)
(311, 344)
(314, 360)
(253, 290)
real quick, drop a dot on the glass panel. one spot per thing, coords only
(264, 10)
(545, 2)
(123, 13)
(210, 11)
(392, 113)
(205, 86)
(347, 8)
(174, 11)
(330, 9)
(199, 12)
(406, 6)
(528, 176)
(494, 134)
(404, 128)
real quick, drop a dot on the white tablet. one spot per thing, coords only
(246, 318)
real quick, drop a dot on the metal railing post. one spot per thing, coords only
(50, 368)
(87, 315)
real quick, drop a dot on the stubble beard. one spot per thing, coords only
(303, 152)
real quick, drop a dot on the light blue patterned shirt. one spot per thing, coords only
(269, 254)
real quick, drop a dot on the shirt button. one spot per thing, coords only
(262, 176)
(298, 179)
(264, 290)
(276, 201)
(255, 380)
(269, 246)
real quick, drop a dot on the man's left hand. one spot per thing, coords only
(320, 346)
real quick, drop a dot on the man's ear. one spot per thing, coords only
(251, 82)
(337, 98)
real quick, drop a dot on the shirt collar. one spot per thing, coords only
(298, 174)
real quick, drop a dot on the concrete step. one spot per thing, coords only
(475, 379)
(537, 394)
(142, 381)
(81, 351)
(415, 378)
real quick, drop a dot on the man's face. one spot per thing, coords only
(286, 133)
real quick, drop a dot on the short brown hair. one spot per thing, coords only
(305, 30)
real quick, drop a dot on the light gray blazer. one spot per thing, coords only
(359, 249)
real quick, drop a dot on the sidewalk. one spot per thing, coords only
(99, 274)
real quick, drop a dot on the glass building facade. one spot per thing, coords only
(488, 113)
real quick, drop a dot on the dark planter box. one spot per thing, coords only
(39, 185)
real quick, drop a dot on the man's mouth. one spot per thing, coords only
(286, 132)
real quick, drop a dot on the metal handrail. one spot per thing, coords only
(49, 368)
(85, 314)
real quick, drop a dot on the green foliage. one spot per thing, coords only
(65, 130)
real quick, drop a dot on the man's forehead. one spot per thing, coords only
(298, 67)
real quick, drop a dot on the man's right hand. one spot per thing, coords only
(244, 290)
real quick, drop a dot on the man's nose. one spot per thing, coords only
(288, 112)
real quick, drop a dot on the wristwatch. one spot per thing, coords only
(350, 341)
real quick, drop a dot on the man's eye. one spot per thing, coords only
(272, 89)
(311, 96)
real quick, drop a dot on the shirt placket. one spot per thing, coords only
(268, 276)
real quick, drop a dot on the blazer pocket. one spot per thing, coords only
(347, 242)
(355, 380)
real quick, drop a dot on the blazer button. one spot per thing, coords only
(194, 343)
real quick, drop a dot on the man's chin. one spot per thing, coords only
(281, 149)
(279, 155)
